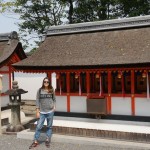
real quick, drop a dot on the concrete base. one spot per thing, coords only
(17, 128)
(109, 129)
(27, 134)
(7, 114)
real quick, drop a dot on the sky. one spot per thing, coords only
(8, 24)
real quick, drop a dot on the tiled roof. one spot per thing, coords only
(119, 46)
(9, 43)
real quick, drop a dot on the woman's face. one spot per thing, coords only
(46, 83)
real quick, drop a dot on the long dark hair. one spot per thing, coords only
(50, 88)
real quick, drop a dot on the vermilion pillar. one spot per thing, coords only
(88, 83)
(109, 93)
(122, 82)
(50, 76)
(132, 92)
(68, 91)
(9, 77)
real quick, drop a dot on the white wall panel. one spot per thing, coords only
(4, 101)
(142, 107)
(121, 106)
(61, 103)
(78, 104)
(5, 82)
(30, 82)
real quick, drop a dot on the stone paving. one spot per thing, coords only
(11, 142)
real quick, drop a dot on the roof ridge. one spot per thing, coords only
(8, 36)
(100, 25)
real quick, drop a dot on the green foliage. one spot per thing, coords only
(131, 8)
(5, 6)
(38, 15)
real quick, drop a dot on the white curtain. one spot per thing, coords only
(100, 86)
(60, 85)
(79, 86)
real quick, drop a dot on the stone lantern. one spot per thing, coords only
(14, 103)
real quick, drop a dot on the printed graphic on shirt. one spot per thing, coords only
(45, 96)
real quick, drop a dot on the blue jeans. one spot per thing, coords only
(40, 124)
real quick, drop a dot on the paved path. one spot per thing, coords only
(11, 142)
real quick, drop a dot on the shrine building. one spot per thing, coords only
(107, 61)
(11, 51)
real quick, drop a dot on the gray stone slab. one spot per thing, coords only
(56, 138)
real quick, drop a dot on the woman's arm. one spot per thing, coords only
(54, 99)
(38, 104)
(37, 113)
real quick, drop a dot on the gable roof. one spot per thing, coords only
(104, 43)
(9, 44)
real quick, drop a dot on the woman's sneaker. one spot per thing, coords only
(47, 143)
(33, 145)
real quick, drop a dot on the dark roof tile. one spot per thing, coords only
(8, 45)
(107, 47)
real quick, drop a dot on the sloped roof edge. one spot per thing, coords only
(9, 44)
(131, 22)
(8, 36)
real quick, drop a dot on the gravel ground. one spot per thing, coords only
(10, 142)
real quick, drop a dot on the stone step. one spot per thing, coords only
(101, 129)
(78, 140)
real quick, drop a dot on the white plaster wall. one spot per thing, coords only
(4, 101)
(5, 82)
(121, 106)
(4, 68)
(78, 104)
(5, 86)
(142, 107)
(61, 103)
(30, 82)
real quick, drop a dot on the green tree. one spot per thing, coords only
(5, 6)
(37, 16)
(131, 8)
(69, 9)
(93, 10)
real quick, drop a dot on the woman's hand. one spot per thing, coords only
(37, 113)
(54, 108)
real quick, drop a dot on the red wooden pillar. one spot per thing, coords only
(132, 92)
(68, 91)
(9, 67)
(88, 83)
(122, 82)
(109, 93)
(49, 75)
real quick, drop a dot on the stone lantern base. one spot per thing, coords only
(16, 128)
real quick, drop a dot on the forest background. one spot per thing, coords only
(37, 16)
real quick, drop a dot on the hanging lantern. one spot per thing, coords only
(76, 76)
(97, 75)
(144, 75)
(57, 76)
(119, 76)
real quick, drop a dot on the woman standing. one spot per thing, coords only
(45, 107)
